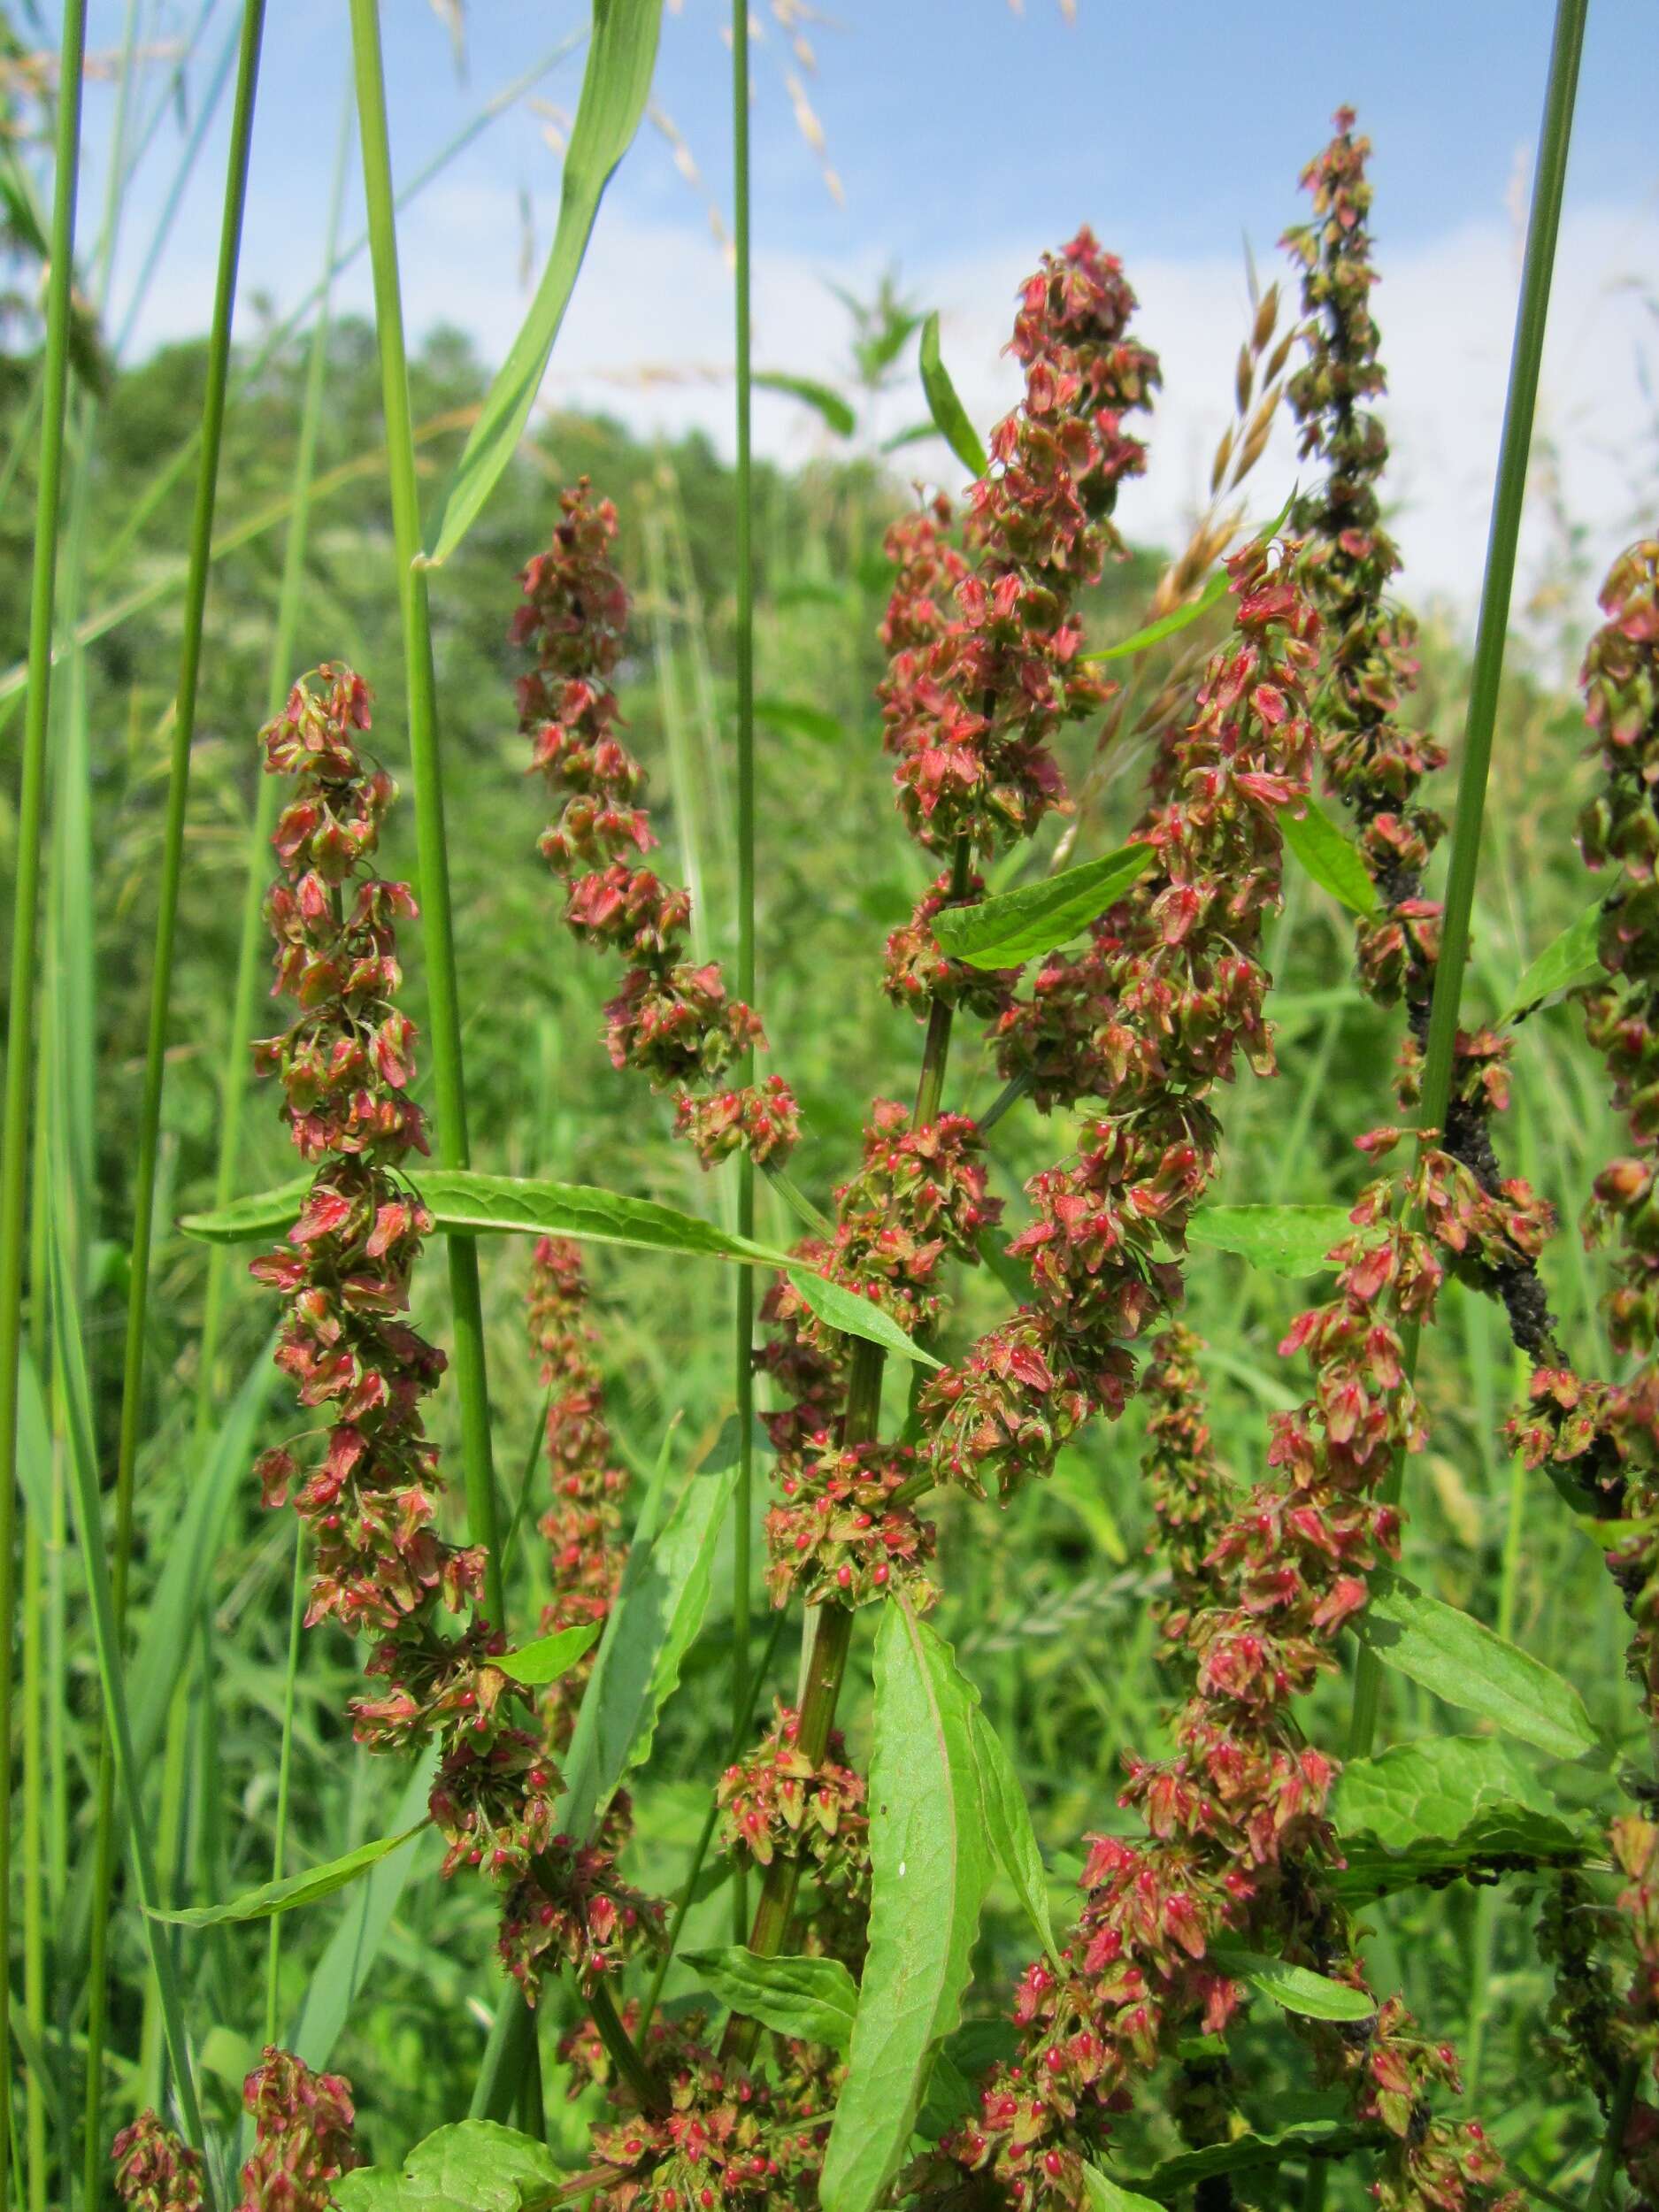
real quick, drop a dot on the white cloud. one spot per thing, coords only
(649, 338)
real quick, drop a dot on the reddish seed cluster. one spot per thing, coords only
(777, 1801)
(302, 2125)
(1189, 1492)
(154, 2171)
(973, 697)
(1237, 1843)
(583, 1523)
(722, 2146)
(1375, 760)
(371, 1500)
(844, 1532)
(573, 1909)
(672, 1020)
(1166, 999)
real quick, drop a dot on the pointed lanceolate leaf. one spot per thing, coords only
(1106, 2195)
(1026, 923)
(1288, 1241)
(511, 1205)
(1167, 625)
(1252, 2153)
(1426, 1811)
(822, 398)
(298, 1889)
(929, 1868)
(1333, 860)
(1573, 957)
(815, 2000)
(470, 2166)
(1460, 1660)
(950, 417)
(1297, 1988)
(550, 1656)
(621, 56)
(1008, 1827)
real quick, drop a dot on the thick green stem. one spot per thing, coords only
(14, 1147)
(743, 1495)
(171, 870)
(1508, 496)
(443, 992)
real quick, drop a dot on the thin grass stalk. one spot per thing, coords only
(431, 849)
(743, 1281)
(14, 1146)
(1492, 634)
(280, 1842)
(148, 1133)
(250, 949)
(33, 1868)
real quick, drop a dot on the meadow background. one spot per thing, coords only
(1172, 138)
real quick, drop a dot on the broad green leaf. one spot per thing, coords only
(1333, 860)
(1008, 1828)
(1425, 1811)
(1024, 924)
(1288, 1241)
(855, 1315)
(1255, 2153)
(813, 2000)
(1106, 2195)
(1458, 1659)
(548, 1657)
(949, 2097)
(1573, 957)
(950, 417)
(470, 2166)
(823, 398)
(1168, 625)
(1297, 1988)
(798, 718)
(929, 1867)
(621, 56)
(660, 1603)
(298, 1889)
(511, 1205)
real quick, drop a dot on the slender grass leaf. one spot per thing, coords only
(1297, 1988)
(1106, 2195)
(1572, 958)
(1025, 924)
(34, 1442)
(1167, 625)
(798, 718)
(1007, 1819)
(1288, 1241)
(549, 1656)
(1453, 1655)
(616, 82)
(822, 398)
(913, 433)
(659, 1608)
(348, 1958)
(470, 2166)
(855, 1315)
(929, 1866)
(296, 1889)
(950, 417)
(1333, 860)
(1426, 1811)
(815, 2000)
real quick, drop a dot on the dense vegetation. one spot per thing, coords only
(1438, 1982)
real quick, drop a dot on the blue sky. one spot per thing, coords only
(966, 138)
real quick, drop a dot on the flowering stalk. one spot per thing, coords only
(370, 1500)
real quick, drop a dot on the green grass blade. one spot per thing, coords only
(615, 86)
(1508, 497)
(437, 922)
(14, 1147)
(285, 1775)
